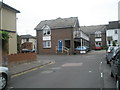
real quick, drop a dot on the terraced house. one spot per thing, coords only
(8, 23)
(59, 35)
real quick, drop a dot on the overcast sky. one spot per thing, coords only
(89, 12)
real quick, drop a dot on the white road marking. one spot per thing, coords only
(72, 64)
(90, 71)
(46, 72)
(101, 75)
(56, 68)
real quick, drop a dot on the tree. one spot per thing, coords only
(4, 37)
(114, 43)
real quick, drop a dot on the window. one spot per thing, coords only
(109, 42)
(116, 41)
(46, 44)
(116, 32)
(98, 44)
(97, 34)
(27, 39)
(46, 31)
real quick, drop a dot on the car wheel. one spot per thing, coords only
(107, 62)
(118, 84)
(3, 81)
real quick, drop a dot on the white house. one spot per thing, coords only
(28, 42)
(112, 33)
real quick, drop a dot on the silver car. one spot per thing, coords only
(111, 52)
(3, 77)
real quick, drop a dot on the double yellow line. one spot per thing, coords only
(32, 69)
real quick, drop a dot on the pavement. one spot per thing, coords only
(16, 69)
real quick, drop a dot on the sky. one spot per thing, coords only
(89, 12)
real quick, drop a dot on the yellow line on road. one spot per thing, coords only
(30, 70)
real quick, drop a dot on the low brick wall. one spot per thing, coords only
(21, 58)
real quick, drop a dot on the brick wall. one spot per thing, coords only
(57, 34)
(27, 45)
(21, 58)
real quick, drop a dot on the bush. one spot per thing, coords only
(4, 36)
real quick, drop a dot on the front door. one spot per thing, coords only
(60, 46)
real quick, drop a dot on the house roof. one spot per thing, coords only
(58, 23)
(27, 36)
(93, 29)
(113, 25)
(8, 7)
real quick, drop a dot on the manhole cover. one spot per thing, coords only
(72, 64)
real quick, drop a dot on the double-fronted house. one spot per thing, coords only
(8, 23)
(113, 33)
(58, 35)
(97, 35)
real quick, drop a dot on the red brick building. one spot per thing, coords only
(97, 35)
(58, 35)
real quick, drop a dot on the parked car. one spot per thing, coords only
(88, 48)
(4, 76)
(33, 50)
(111, 53)
(109, 49)
(81, 48)
(97, 47)
(27, 50)
(115, 69)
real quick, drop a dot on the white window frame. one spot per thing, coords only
(98, 34)
(97, 43)
(46, 29)
(46, 44)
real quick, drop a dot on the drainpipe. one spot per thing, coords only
(1, 15)
(81, 38)
(1, 40)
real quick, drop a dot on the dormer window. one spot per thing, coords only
(46, 37)
(46, 30)
(98, 34)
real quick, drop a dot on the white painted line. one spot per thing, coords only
(90, 71)
(101, 75)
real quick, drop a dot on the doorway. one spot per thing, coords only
(67, 43)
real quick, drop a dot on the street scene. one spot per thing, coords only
(60, 44)
(75, 71)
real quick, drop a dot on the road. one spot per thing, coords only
(69, 71)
